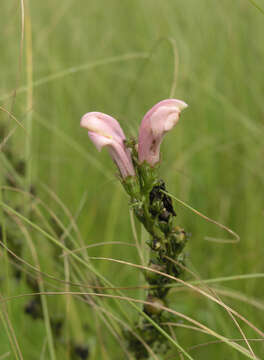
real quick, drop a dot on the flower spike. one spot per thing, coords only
(104, 130)
(160, 119)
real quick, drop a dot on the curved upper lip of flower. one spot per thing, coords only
(181, 105)
(103, 124)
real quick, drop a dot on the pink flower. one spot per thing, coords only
(160, 119)
(104, 130)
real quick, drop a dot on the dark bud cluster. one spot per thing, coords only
(160, 203)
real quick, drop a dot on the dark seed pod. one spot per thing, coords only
(33, 308)
(81, 351)
(17, 274)
(32, 283)
(21, 167)
(56, 326)
(160, 203)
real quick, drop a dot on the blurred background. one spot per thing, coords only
(121, 57)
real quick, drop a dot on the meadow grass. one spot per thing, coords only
(121, 57)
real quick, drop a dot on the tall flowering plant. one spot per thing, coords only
(137, 163)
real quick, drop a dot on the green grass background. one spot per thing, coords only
(121, 57)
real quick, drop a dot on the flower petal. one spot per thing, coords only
(103, 123)
(104, 130)
(160, 119)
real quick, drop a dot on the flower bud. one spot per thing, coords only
(154, 306)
